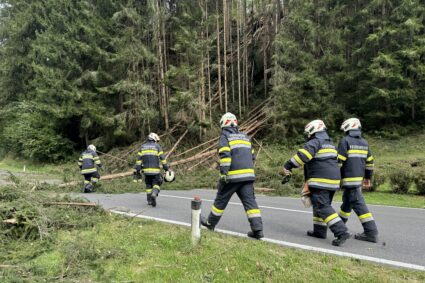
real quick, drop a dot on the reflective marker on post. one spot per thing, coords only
(196, 217)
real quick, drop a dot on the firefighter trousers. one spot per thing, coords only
(90, 180)
(245, 192)
(324, 215)
(153, 185)
(353, 199)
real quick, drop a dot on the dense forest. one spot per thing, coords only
(111, 71)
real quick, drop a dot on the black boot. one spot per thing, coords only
(205, 223)
(88, 188)
(366, 238)
(153, 197)
(341, 239)
(149, 197)
(256, 234)
(311, 233)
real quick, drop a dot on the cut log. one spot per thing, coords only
(115, 157)
(177, 143)
(10, 221)
(72, 203)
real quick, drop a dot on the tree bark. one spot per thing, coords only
(225, 52)
(219, 56)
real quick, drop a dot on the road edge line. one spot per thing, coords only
(287, 244)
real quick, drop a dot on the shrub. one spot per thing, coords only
(420, 182)
(377, 180)
(400, 180)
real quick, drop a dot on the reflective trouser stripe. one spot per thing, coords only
(216, 211)
(86, 182)
(156, 187)
(344, 214)
(149, 191)
(89, 170)
(366, 217)
(95, 179)
(332, 219)
(253, 213)
(318, 221)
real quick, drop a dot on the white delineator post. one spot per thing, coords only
(196, 220)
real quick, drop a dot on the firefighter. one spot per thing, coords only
(236, 176)
(150, 158)
(357, 169)
(322, 174)
(90, 164)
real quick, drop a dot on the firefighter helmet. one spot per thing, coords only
(154, 137)
(314, 126)
(169, 176)
(351, 124)
(228, 120)
(92, 148)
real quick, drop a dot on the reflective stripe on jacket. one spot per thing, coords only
(236, 156)
(88, 161)
(319, 158)
(150, 158)
(356, 158)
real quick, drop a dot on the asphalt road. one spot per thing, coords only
(402, 230)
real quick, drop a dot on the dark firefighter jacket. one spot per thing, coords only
(88, 161)
(319, 158)
(356, 158)
(236, 155)
(150, 158)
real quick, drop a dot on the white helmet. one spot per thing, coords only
(228, 120)
(351, 124)
(92, 148)
(169, 176)
(154, 137)
(314, 126)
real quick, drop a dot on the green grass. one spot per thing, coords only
(124, 250)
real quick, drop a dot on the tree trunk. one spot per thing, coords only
(163, 105)
(239, 56)
(208, 65)
(219, 56)
(225, 52)
(246, 54)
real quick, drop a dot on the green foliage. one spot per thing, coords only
(334, 60)
(33, 219)
(401, 180)
(109, 72)
(378, 179)
(420, 182)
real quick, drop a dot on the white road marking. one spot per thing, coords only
(288, 244)
(240, 204)
(294, 198)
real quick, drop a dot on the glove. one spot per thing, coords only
(367, 184)
(285, 172)
(223, 178)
